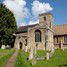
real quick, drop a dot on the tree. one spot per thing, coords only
(7, 25)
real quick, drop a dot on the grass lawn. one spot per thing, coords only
(21, 59)
(59, 58)
(6, 55)
(3, 52)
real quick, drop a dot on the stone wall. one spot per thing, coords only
(49, 40)
(31, 38)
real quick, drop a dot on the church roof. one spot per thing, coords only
(58, 29)
(24, 28)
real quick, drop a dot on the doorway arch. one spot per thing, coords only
(20, 45)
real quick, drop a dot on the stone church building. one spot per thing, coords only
(37, 35)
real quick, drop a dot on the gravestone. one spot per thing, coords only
(7, 47)
(61, 45)
(47, 55)
(3, 47)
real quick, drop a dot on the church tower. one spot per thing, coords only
(46, 19)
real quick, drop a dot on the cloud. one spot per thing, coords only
(33, 22)
(38, 7)
(20, 2)
(22, 13)
(18, 8)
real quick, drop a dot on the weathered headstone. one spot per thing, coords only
(61, 45)
(47, 55)
(7, 47)
(3, 47)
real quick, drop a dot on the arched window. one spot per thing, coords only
(37, 36)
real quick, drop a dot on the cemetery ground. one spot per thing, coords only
(58, 59)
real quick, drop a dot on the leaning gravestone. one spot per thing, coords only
(3, 47)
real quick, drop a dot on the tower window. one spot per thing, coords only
(44, 18)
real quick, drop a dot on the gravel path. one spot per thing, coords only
(11, 61)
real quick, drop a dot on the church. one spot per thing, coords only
(43, 36)
(37, 35)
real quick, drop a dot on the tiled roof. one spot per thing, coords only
(24, 28)
(58, 30)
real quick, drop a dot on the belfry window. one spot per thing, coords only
(37, 36)
(45, 18)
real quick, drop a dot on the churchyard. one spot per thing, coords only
(20, 58)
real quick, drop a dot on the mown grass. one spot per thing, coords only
(21, 59)
(59, 58)
(3, 52)
(40, 53)
(5, 57)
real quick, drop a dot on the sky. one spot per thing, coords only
(26, 11)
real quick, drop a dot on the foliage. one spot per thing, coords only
(7, 25)
(5, 58)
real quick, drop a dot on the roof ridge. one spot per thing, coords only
(61, 25)
(27, 25)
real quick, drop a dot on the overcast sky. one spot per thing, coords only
(26, 11)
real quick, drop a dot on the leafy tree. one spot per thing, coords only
(7, 25)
